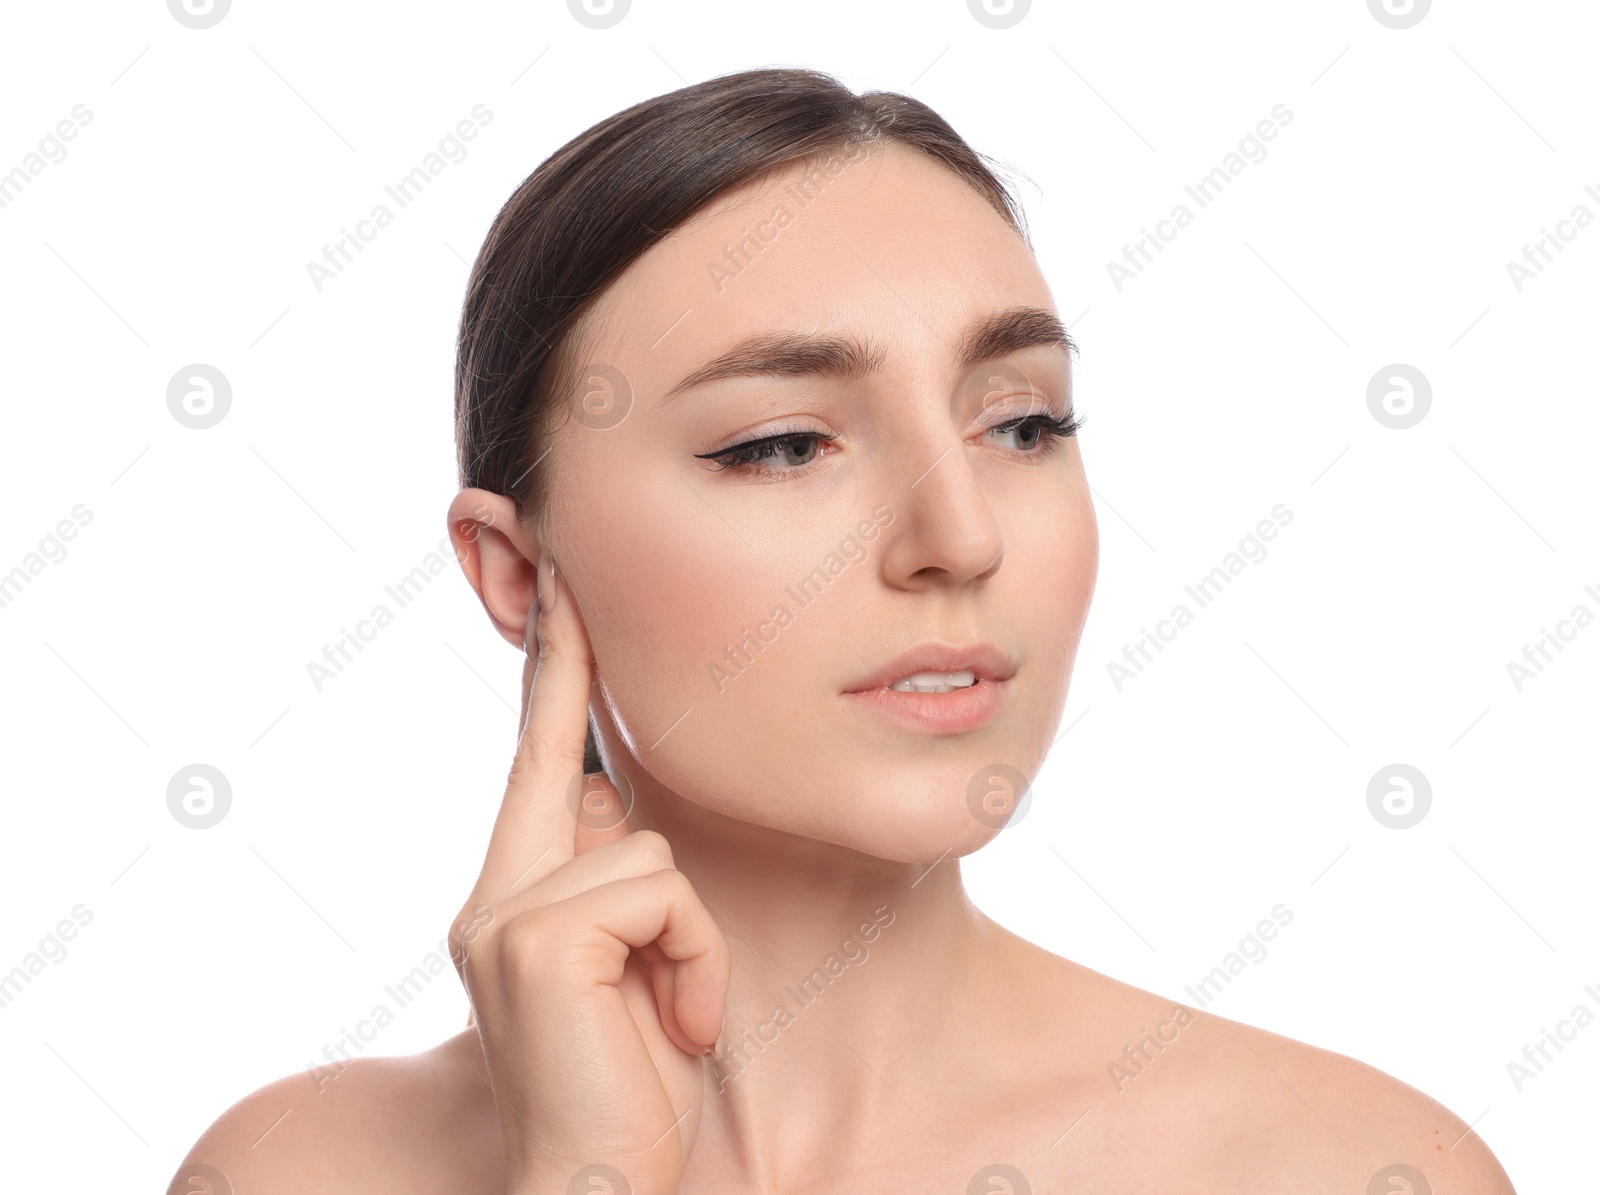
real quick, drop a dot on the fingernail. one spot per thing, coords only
(547, 581)
(531, 630)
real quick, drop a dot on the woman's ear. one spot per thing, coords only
(499, 556)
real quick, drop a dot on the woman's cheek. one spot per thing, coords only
(677, 634)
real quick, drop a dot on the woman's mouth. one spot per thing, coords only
(939, 687)
(940, 702)
(934, 682)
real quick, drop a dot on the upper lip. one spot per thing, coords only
(985, 660)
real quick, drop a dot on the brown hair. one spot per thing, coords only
(598, 203)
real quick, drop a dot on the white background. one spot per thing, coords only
(1229, 376)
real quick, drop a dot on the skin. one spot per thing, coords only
(953, 1043)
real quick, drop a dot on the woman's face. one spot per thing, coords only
(733, 611)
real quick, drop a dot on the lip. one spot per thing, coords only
(941, 713)
(984, 660)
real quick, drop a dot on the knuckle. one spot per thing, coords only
(655, 843)
(525, 940)
(468, 928)
(535, 758)
(679, 888)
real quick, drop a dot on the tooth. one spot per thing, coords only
(935, 682)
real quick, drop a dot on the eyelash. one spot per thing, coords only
(747, 455)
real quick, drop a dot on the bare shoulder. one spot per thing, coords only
(422, 1122)
(1164, 1096)
(1269, 1112)
(1342, 1119)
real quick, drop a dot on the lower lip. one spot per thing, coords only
(941, 713)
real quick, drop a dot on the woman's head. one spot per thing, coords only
(862, 283)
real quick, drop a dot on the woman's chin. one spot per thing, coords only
(925, 830)
(935, 809)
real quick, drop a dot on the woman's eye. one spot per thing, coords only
(790, 452)
(1036, 435)
(771, 453)
(1026, 432)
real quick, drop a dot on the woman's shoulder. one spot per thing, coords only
(1247, 1106)
(1316, 1114)
(379, 1124)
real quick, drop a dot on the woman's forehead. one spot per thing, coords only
(906, 240)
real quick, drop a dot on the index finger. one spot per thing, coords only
(534, 831)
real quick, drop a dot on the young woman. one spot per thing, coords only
(767, 453)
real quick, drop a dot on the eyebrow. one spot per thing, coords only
(796, 354)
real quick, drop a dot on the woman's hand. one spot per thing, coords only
(596, 975)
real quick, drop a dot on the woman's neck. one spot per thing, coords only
(856, 983)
